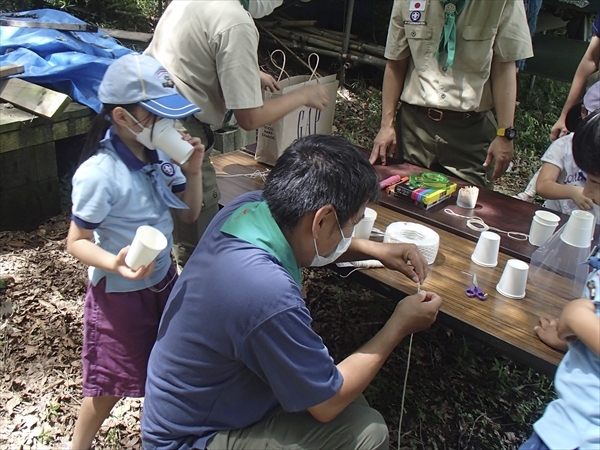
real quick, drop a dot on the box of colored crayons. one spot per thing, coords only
(423, 190)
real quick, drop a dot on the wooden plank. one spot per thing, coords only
(48, 25)
(129, 36)
(12, 118)
(43, 133)
(11, 69)
(33, 98)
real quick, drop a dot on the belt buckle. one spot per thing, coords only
(439, 117)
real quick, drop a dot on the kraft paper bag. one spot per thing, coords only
(273, 139)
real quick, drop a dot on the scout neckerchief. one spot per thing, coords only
(452, 8)
(151, 169)
(254, 223)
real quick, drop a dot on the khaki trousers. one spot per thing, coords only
(186, 236)
(455, 147)
(357, 427)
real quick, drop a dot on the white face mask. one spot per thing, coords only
(262, 8)
(342, 247)
(144, 137)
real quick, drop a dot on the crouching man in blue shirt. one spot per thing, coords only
(236, 364)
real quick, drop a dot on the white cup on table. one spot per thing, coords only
(362, 229)
(543, 225)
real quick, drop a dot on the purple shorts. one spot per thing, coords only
(119, 330)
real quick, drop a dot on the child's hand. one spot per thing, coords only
(127, 272)
(571, 313)
(193, 165)
(581, 200)
(548, 334)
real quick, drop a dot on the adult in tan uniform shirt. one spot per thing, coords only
(210, 48)
(445, 121)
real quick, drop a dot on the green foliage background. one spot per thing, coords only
(132, 15)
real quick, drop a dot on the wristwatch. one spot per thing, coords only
(509, 133)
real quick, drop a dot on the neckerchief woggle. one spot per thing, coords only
(452, 8)
(253, 223)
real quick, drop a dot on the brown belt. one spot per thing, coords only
(437, 115)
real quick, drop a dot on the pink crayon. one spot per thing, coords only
(389, 181)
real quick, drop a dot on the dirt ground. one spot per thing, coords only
(41, 309)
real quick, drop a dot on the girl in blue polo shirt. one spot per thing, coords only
(125, 182)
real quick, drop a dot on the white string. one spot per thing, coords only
(314, 69)
(256, 174)
(351, 272)
(405, 381)
(476, 223)
(151, 288)
(282, 67)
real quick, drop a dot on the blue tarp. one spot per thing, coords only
(72, 62)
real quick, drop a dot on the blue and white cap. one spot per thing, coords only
(140, 79)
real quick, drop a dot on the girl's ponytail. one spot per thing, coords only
(97, 130)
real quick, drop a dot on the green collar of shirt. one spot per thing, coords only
(245, 4)
(452, 8)
(253, 223)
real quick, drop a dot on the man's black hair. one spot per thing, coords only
(316, 171)
(586, 144)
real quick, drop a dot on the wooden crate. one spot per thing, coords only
(29, 184)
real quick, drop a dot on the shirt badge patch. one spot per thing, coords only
(167, 169)
(415, 16)
(417, 5)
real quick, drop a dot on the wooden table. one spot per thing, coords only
(504, 324)
(497, 210)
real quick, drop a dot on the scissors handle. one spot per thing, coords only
(474, 291)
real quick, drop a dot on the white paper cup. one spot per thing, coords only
(486, 250)
(546, 217)
(540, 231)
(579, 229)
(147, 244)
(363, 228)
(467, 198)
(513, 281)
(171, 142)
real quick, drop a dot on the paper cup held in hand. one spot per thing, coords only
(514, 279)
(486, 250)
(540, 231)
(579, 230)
(172, 143)
(362, 229)
(146, 246)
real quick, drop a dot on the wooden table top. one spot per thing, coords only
(497, 210)
(503, 323)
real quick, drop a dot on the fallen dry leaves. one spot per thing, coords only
(41, 309)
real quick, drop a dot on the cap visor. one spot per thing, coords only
(170, 107)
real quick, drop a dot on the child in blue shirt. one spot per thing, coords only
(572, 421)
(124, 182)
